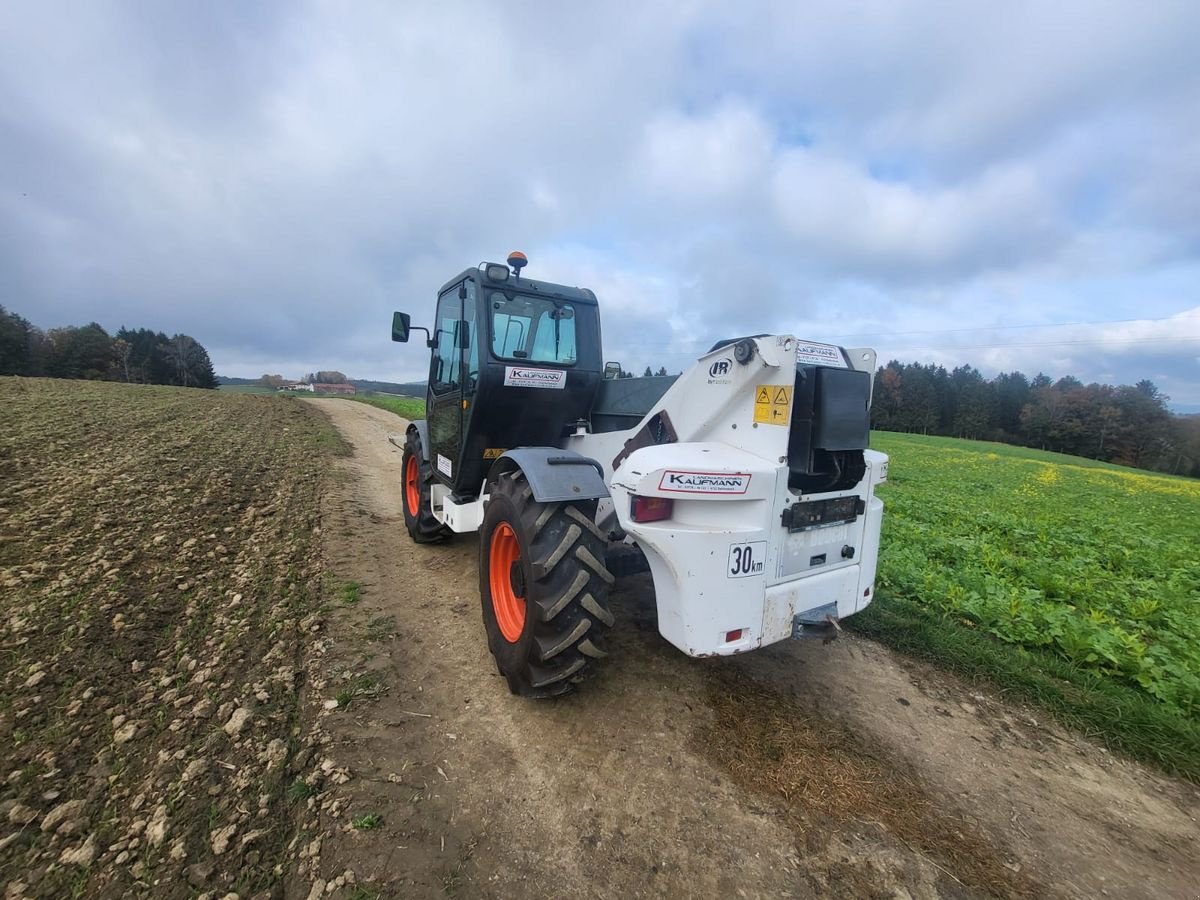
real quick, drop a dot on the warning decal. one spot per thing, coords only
(772, 404)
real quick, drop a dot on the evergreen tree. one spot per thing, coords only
(85, 352)
(1010, 395)
(973, 403)
(192, 367)
(16, 338)
(147, 362)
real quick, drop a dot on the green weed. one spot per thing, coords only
(367, 822)
(363, 686)
(300, 790)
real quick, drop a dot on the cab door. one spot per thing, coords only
(453, 371)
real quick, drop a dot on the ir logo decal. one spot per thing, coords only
(720, 368)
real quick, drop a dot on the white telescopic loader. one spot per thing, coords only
(745, 485)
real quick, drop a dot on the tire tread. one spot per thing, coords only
(566, 598)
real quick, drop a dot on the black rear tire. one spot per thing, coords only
(423, 528)
(563, 580)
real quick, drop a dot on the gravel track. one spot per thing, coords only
(800, 770)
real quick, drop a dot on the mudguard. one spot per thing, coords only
(555, 475)
(422, 428)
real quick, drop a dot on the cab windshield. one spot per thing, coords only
(533, 329)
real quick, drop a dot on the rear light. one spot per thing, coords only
(651, 509)
(735, 635)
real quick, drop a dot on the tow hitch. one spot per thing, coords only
(821, 622)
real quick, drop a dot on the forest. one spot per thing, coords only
(1128, 425)
(137, 355)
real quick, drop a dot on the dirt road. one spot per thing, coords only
(798, 771)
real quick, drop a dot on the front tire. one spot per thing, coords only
(543, 586)
(416, 474)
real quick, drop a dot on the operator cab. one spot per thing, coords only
(514, 363)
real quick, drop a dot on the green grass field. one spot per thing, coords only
(407, 407)
(1069, 582)
(246, 389)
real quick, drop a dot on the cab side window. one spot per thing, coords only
(453, 366)
(447, 358)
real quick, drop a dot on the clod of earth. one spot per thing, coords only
(21, 814)
(221, 839)
(156, 831)
(64, 812)
(195, 769)
(237, 721)
(81, 855)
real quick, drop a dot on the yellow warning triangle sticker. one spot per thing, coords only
(763, 397)
(781, 396)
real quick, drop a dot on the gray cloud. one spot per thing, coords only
(274, 179)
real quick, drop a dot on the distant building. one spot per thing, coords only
(333, 388)
(295, 387)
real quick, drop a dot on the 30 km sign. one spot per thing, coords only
(772, 404)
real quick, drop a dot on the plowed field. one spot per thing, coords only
(157, 563)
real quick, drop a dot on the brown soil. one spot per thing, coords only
(156, 567)
(800, 770)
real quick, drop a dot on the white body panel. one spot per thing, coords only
(701, 592)
(723, 562)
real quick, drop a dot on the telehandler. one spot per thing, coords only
(745, 485)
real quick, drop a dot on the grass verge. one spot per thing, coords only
(1102, 709)
(406, 407)
(821, 773)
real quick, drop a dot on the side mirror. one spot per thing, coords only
(612, 370)
(400, 327)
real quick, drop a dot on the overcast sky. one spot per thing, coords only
(1011, 185)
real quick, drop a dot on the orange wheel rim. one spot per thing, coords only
(412, 487)
(509, 605)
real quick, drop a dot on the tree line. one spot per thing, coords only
(134, 355)
(1125, 424)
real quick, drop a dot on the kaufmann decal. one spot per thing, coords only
(704, 482)
(820, 355)
(519, 376)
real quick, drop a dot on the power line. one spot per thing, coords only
(999, 327)
(682, 347)
(884, 335)
(1053, 344)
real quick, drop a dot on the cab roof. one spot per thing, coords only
(524, 285)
